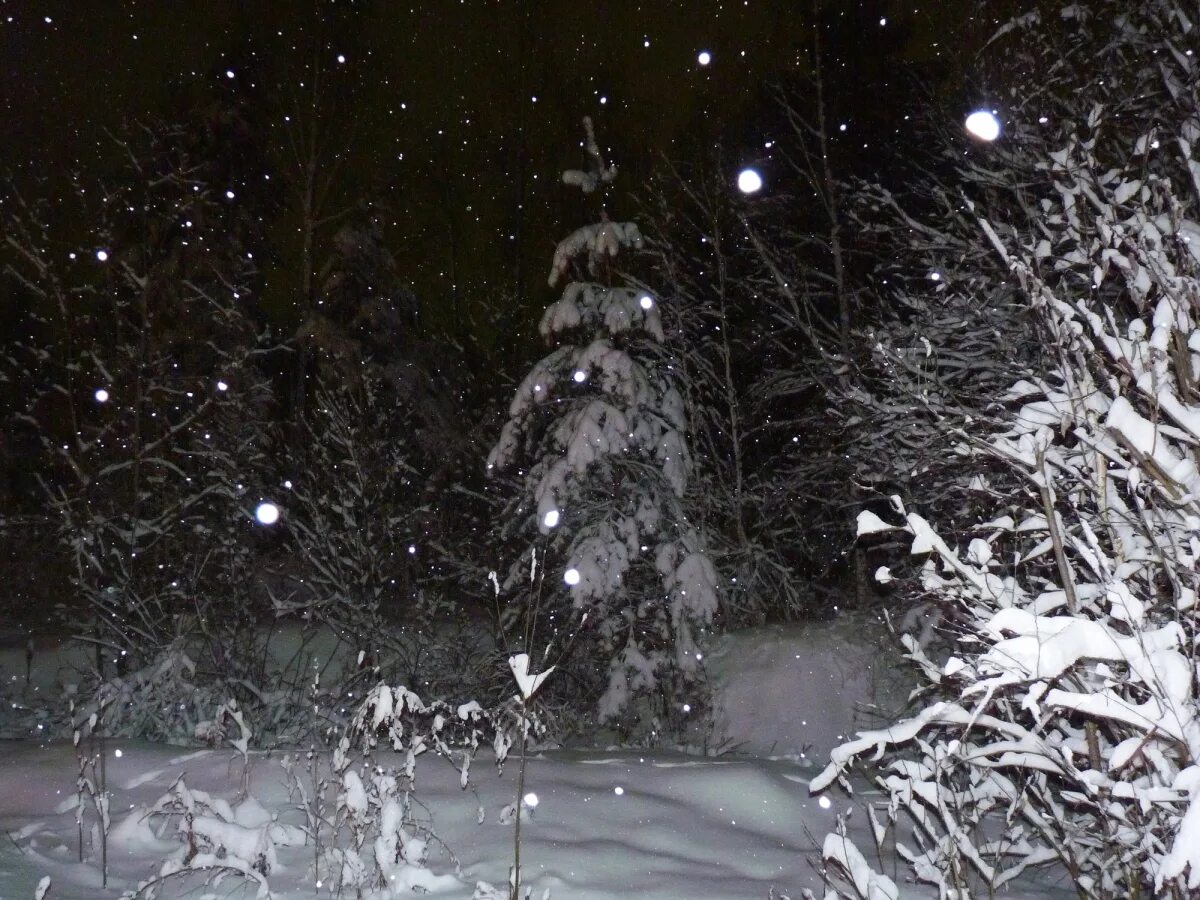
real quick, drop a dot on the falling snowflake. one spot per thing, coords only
(267, 513)
(983, 125)
(749, 181)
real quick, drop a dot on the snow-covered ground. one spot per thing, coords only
(607, 824)
(801, 690)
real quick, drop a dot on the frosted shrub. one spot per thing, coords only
(217, 840)
(146, 397)
(1064, 727)
(160, 702)
(600, 425)
(714, 336)
(375, 834)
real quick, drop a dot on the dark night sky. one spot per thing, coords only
(445, 109)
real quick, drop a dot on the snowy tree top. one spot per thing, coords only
(600, 241)
(599, 173)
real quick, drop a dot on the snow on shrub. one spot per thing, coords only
(379, 834)
(1063, 727)
(216, 839)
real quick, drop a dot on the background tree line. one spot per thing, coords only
(812, 375)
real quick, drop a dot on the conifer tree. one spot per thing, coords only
(599, 428)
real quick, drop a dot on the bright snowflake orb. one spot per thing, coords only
(101, 395)
(530, 800)
(267, 513)
(983, 125)
(550, 519)
(646, 302)
(749, 181)
(580, 376)
(824, 803)
(571, 577)
(102, 255)
(229, 73)
(704, 58)
(341, 57)
(618, 790)
(222, 386)
(229, 195)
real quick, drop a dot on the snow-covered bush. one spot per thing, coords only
(950, 335)
(356, 559)
(1064, 726)
(217, 839)
(599, 426)
(350, 504)
(378, 835)
(366, 831)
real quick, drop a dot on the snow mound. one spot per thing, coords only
(802, 689)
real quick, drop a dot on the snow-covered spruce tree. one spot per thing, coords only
(599, 429)
(148, 405)
(1064, 727)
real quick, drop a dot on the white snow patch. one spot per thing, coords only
(801, 690)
